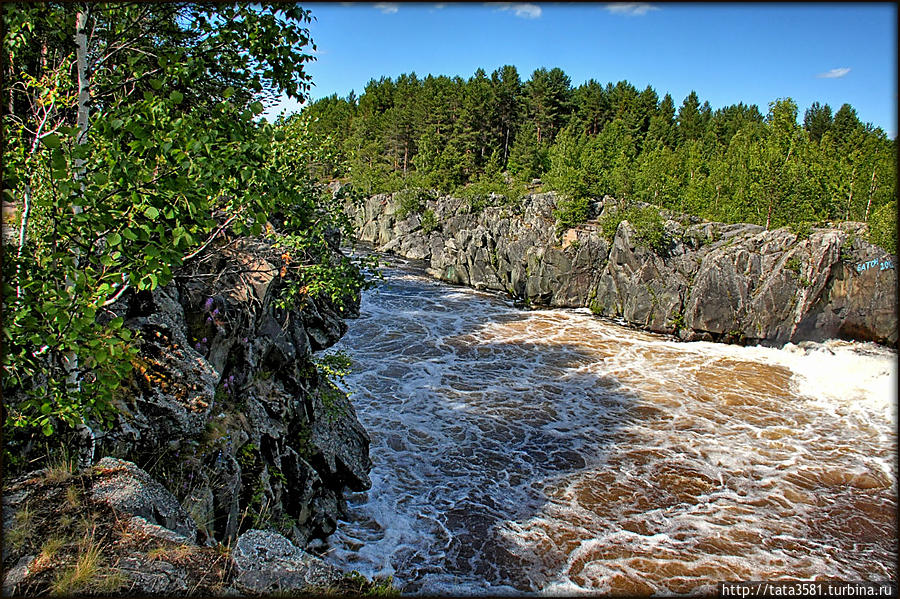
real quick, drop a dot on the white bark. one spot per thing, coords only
(70, 360)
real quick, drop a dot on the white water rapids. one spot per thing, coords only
(553, 452)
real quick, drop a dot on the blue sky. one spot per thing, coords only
(727, 53)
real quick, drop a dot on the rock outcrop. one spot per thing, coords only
(228, 409)
(226, 406)
(112, 530)
(227, 425)
(734, 283)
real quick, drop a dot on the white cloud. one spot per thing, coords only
(387, 8)
(834, 73)
(525, 11)
(630, 9)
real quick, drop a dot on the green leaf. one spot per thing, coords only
(114, 239)
(229, 91)
(176, 96)
(151, 212)
(256, 108)
(155, 83)
(116, 323)
(51, 140)
(57, 159)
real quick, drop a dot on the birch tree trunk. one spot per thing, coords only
(871, 193)
(70, 359)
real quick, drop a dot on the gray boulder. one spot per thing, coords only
(266, 562)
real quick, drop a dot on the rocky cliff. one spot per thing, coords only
(712, 281)
(227, 408)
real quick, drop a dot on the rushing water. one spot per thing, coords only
(554, 452)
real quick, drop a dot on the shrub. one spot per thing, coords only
(571, 212)
(609, 222)
(793, 264)
(412, 201)
(490, 191)
(647, 223)
(883, 227)
(801, 229)
(429, 221)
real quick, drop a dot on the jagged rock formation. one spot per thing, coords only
(112, 530)
(227, 426)
(733, 283)
(228, 409)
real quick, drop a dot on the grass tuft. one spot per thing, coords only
(83, 575)
(61, 468)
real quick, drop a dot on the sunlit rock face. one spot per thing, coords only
(734, 283)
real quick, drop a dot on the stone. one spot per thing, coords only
(715, 281)
(228, 399)
(127, 488)
(17, 574)
(153, 577)
(267, 562)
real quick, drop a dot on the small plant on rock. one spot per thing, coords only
(429, 222)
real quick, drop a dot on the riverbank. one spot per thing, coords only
(697, 280)
(229, 425)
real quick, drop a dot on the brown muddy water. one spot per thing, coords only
(553, 452)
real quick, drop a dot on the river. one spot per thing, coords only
(553, 452)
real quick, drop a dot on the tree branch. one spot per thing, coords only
(211, 238)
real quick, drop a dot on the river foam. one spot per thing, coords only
(553, 452)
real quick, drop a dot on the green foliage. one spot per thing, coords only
(570, 212)
(847, 247)
(356, 585)
(609, 222)
(174, 152)
(429, 221)
(646, 221)
(310, 222)
(801, 229)
(486, 192)
(677, 321)
(412, 201)
(247, 456)
(883, 227)
(793, 264)
(334, 365)
(731, 165)
(648, 225)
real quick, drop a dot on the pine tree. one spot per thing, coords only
(507, 89)
(817, 121)
(548, 98)
(690, 121)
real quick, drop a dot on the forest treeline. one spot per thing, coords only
(496, 133)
